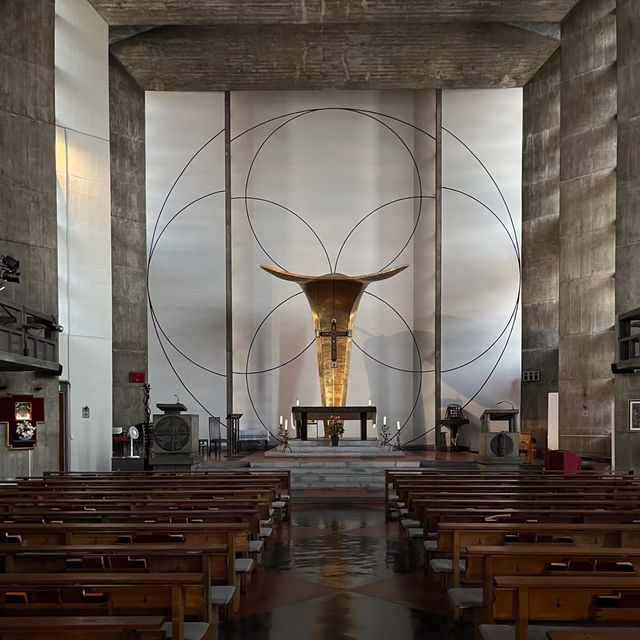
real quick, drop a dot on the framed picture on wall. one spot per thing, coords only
(634, 415)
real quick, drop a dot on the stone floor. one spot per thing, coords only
(338, 572)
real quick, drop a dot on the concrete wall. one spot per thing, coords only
(27, 200)
(84, 227)
(587, 227)
(627, 387)
(540, 244)
(128, 243)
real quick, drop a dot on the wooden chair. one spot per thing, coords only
(215, 435)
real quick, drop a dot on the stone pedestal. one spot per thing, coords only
(175, 440)
(499, 450)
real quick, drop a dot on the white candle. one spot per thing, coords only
(280, 420)
(297, 402)
(398, 425)
(374, 425)
(384, 421)
(369, 401)
(286, 425)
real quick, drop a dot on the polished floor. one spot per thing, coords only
(340, 573)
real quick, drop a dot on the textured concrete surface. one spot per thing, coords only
(335, 56)
(163, 12)
(28, 200)
(128, 243)
(627, 387)
(540, 244)
(587, 227)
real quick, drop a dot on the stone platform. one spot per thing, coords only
(352, 477)
(321, 448)
(308, 473)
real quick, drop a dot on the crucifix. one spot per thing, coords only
(334, 299)
(334, 334)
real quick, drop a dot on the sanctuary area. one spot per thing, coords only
(320, 319)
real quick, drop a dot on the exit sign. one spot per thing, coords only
(137, 377)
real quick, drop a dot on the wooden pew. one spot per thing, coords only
(432, 517)
(558, 598)
(217, 562)
(109, 533)
(181, 593)
(428, 482)
(483, 563)
(82, 628)
(455, 537)
(33, 515)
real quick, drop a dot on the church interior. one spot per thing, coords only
(320, 319)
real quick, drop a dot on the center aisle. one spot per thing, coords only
(339, 572)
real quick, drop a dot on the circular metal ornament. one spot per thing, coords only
(501, 445)
(171, 433)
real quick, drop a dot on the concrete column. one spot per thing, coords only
(587, 227)
(540, 244)
(28, 201)
(627, 387)
(128, 242)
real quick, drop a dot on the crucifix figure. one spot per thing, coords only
(334, 299)
(334, 334)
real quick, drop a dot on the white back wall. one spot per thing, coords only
(84, 228)
(481, 229)
(187, 274)
(332, 167)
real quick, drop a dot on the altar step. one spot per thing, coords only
(322, 448)
(309, 474)
(344, 442)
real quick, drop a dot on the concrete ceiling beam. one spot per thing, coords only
(344, 57)
(227, 12)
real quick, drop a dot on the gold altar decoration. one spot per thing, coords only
(334, 300)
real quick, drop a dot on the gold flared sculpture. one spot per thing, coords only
(334, 300)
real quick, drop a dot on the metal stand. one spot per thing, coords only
(384, 431)
(233, 435)
(147, 430)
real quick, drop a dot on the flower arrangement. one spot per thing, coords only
(335, 426)
(25, 430)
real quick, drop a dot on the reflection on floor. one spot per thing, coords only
(341, 573)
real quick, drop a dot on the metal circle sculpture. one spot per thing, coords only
(171, 433)
(501, 445)
(387, 122)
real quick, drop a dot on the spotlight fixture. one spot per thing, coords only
(9, 270)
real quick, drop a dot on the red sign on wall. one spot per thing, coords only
(137, 377)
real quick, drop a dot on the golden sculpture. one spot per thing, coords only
(334, 300)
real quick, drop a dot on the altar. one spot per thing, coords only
(302, 415)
